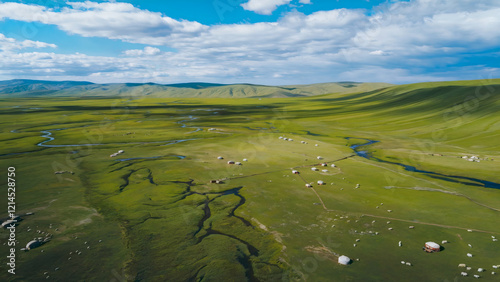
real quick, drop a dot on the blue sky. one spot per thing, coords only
(274, 42)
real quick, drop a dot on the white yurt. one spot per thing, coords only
(432, 247)
(344, 260)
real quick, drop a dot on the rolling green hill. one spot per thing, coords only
(32, 88)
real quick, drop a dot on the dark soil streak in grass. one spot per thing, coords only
(150, 178)
(120, 168)
(193, 278)
(206, 216)
(245, 261)
(233, 191)
(126, 179)
(313, 134)
(242, 201)
(146, 219)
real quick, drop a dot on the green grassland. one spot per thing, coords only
(151, 213)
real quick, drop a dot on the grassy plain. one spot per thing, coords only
(160, 219)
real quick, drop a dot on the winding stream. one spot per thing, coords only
(48, 135)
(183, 125)
(451, 178)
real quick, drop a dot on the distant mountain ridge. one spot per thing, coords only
(41, 88)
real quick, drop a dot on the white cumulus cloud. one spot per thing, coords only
(148, 51)
(112, 20)
(264, 7)
(395, 42)
(7, 43)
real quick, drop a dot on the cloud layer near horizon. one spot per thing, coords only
(400, 42)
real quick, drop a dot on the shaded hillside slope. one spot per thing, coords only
(31, 88)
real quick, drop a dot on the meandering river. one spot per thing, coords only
(451, 178)
(48, 135)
